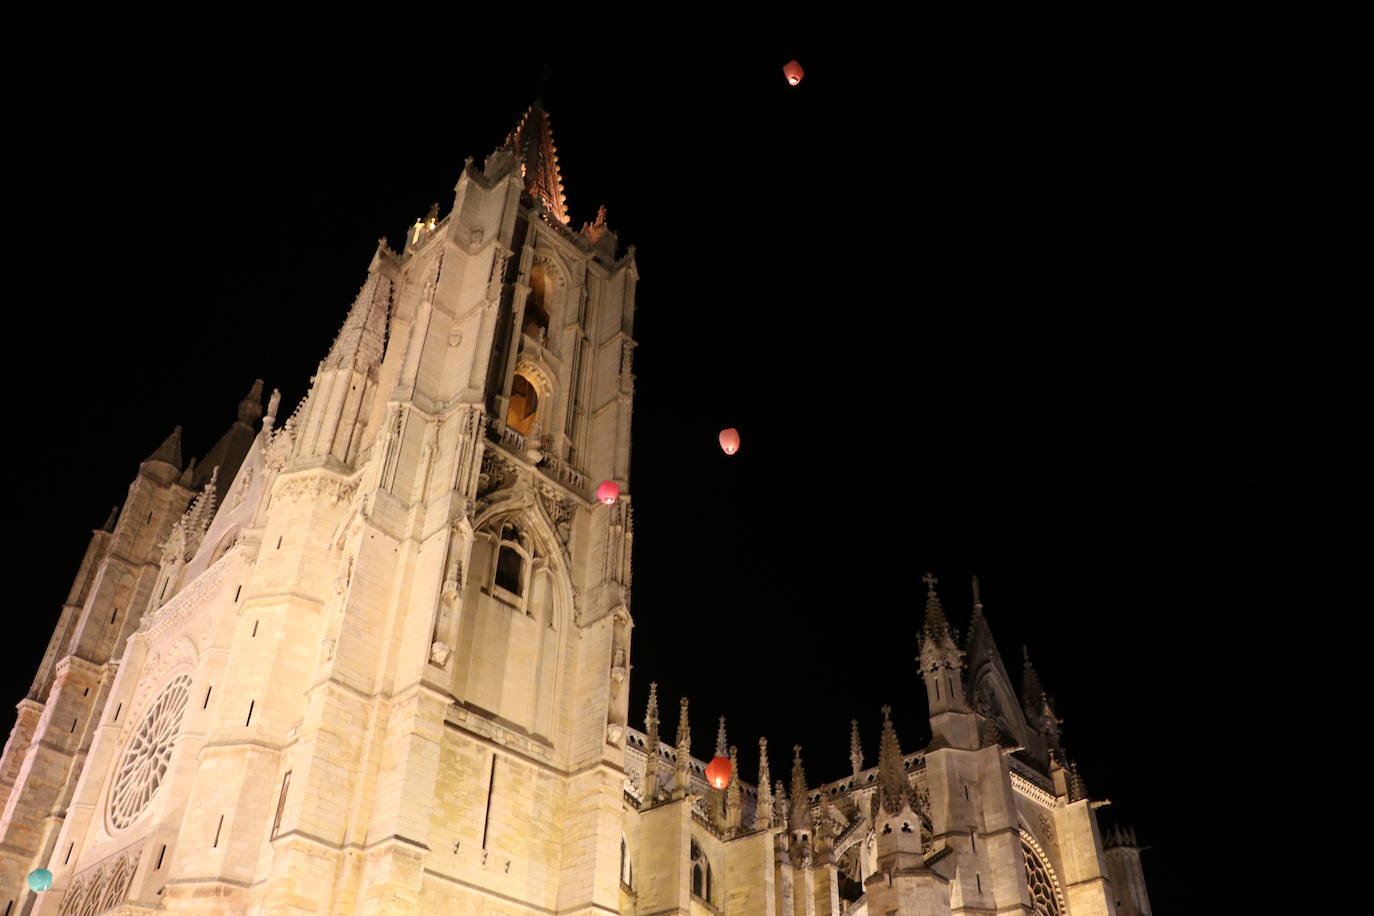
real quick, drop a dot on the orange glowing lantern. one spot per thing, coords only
(608, 492)
(729, 440)
(794, 72)
(718, 772)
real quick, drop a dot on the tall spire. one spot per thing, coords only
(722, 748)
(763, 810)
(362, 339)
(856, 752)
(684, 749)
(532, 142)
(651, 752)
(894, 789)
(799, 817)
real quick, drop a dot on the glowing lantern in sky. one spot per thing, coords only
(718, 772)
(608, 492)
(793, 71)
(729, 440)
(40, 879)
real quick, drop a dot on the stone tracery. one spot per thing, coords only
(148, 754)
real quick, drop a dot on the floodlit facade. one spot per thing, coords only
(373, 657)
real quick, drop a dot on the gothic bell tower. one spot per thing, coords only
(398, 654)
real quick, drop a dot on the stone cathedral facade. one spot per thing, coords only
(373, 657)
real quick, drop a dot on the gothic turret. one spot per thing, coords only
(894, 815)
(1128, 878)
(682, 782)
(942, 662)
(763, 810)
(651, 755)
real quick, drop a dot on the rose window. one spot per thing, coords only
(1040, 881)
(145, 762)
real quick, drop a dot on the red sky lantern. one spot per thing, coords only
(793, 71)
(718, 772)
(608, 492)
(729, 440)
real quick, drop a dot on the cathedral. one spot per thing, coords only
(373, 656)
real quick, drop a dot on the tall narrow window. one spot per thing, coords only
(511, 561)
(281, 803)
(537, 305)
(524, 405)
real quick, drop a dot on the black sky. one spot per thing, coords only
(978, 309)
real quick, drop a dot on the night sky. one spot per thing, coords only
(974, 308)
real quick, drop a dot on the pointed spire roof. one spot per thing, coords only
(651, 718)
(684, 733)
(894, 789)
(362, 339)
(856, 751)
(722, 747)
(936, 626)
(763, 808)
(799, 815)
(532, 143)
(169, 452)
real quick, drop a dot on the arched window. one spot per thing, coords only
(512, 561)
(524, 404)
(701, 873)
(1044, 889)
(538, 304)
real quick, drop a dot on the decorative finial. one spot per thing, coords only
(977, 599)
(763, 808)
(856, 753)
(720, 738)
(930, 581)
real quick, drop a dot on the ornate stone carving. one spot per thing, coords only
(148, 754)
(190, 597)
(558, 510)
(439, 653)
(103, 886)
(318, 487)
(497, 473)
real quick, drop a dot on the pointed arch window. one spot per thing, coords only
(513, 557)
(538, 304)
(524, 404)
(702, 878)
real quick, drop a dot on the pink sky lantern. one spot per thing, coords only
(718, 772)
(793, 71)
(729, 440)
(608, 492)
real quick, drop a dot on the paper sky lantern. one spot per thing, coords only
(718, 772)
(729, 440)
(608, 492)
(40, 879)
(793, 71)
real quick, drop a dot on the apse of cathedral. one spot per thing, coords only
(372, 655)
